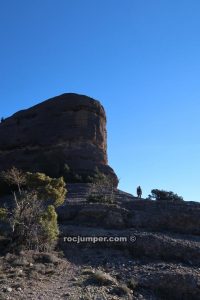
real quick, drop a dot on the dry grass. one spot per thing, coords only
(103, 278)
(46, 258)
(87, 271)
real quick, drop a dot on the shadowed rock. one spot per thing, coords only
(67, 129)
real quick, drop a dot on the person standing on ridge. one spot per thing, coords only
(139, 192)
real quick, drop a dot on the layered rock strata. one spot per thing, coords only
(69, 129)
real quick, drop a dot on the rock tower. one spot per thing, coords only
(69, 129)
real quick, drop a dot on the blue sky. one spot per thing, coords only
(141, 59)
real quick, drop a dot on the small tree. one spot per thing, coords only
(32, 219)
(102, 189)
(24, 220)
(161, 195)
(14, 177)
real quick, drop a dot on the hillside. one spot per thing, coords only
(127, 248)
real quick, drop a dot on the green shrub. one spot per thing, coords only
(32, 220)
(161, 195)
(102, 189)
(3, 214)
(47, 187)
(94, 198)
(70, 176)
(50, 225)
(73, 177)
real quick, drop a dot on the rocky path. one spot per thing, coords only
(74, 278)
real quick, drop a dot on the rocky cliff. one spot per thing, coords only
(69, 129)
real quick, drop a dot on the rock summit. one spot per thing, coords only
(69, 129)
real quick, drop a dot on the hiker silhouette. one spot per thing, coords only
(139, 192)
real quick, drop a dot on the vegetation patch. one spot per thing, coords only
(32, 217)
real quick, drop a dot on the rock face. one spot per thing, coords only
(160, 255)
(68, 129)
(129, 212)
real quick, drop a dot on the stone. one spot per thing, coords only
(67, 130)
(8, 289)
(129, 212)
(66, 294)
